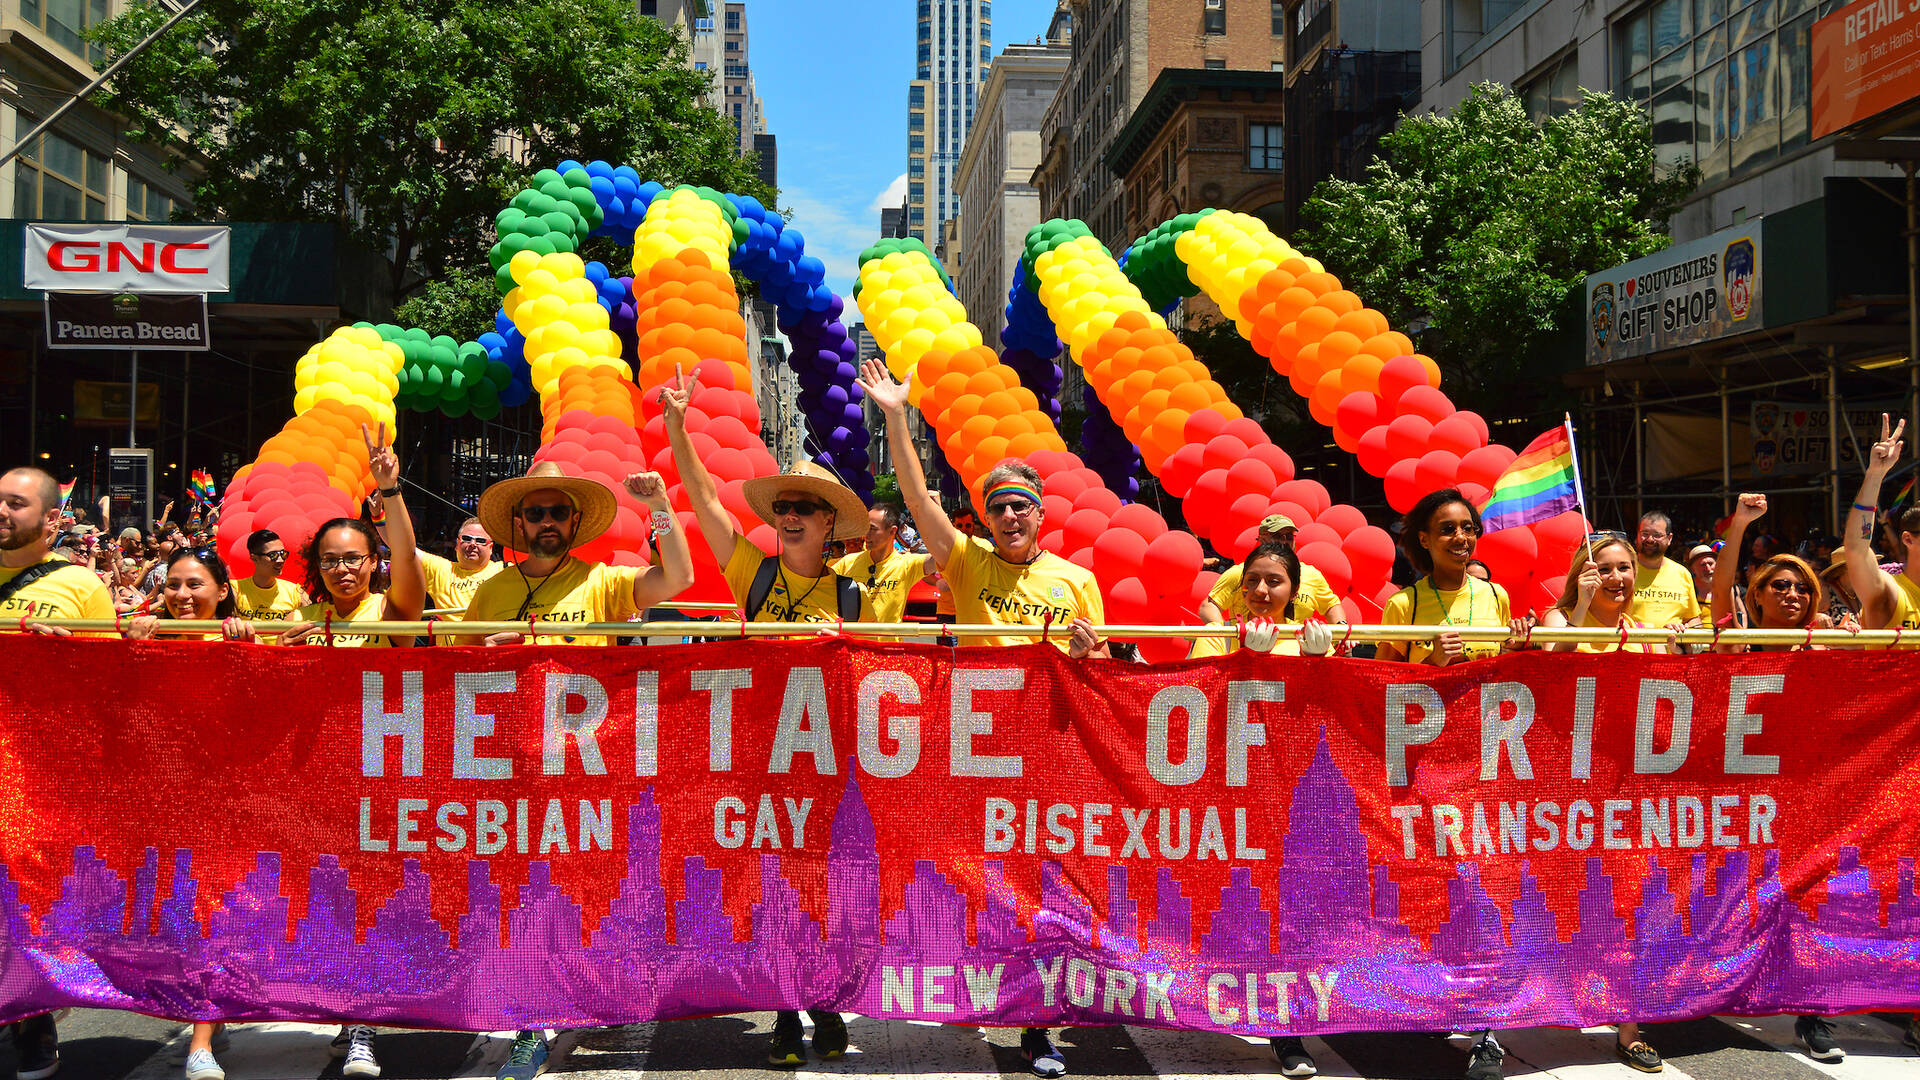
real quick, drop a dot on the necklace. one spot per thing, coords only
(1446, 615)
(794, 602)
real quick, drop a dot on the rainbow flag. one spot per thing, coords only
(1540, 483)
(66, 491)
(1905, 493)
(203, 486)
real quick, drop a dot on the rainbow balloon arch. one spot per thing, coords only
(593, 347)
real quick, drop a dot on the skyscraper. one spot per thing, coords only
(954, 45)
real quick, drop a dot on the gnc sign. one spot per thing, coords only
(127, 258)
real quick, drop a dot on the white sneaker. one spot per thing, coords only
(202, 1066)
(360, 1059)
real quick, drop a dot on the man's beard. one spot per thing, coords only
(548, 545)
(1651, 551)
(24, 535)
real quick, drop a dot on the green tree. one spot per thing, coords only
(412, 123)
(1483, 225)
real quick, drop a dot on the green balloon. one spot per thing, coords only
(503, 282)
(486, 411)
(560, 221)
(498, 375)
(544, 177)
(454, 408)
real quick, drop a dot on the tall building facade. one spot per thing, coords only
(953, 47)
(998, 202)
(740, 100)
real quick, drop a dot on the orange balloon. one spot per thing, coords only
(1361, 372)
(1013, 425)
(1319, 283)
(1433, 369)
(1336, 347)
(1134, 386)
(1324, 402)
(1171, 376)
(1121, 364)
(1026, 445)
(976, 427)
(989, 452)
(1132, 320)
(1188, 397)
(1388, 345)
(1307, 369)
(1025, 399)
(1313, 324)
(1363, 324)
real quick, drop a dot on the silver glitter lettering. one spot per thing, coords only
(1401, 734)
(1243, 732)
(804, 701)
(1741, 724)
(596, 825)
(902, 728)
(582, 726)
(968, 723)
(490, 827)
(452, 837)
(377, 725)
(1189, 700)
(646, 724)
(1646, 760)
(471, 725)
(721, 684)
(553, 829)
(1496, 732)
(1580, 765)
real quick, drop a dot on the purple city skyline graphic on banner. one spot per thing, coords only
(1315, 944)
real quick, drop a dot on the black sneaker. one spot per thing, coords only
(1294, 1059)
(1483, 1061)
(1816, 1034)
(829, 1034)
(1638, 1056)
(36, 1043)
(788, 1050)
(1042, 1057)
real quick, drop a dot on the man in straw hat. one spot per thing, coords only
(545, 515)
(1010, 581)
(807, 507)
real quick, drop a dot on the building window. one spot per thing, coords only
(1311, 22)
(1216, 65)
(733, 22)
(650, 8)
(67, 21)
(1554, 91)
(146, 202)
(60, 180)
(916, 144)
(1213, 19)
(1727, 91)
(1169, 167)
(1263, 147)
(733, 46)
(1279, 18)
(917, 193)
(917, 97)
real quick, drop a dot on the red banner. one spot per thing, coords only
(491, 838)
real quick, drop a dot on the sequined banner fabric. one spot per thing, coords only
(498, 838)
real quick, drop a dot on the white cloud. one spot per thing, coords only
(895, 196)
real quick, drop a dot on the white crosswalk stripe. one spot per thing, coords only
(684, 1050)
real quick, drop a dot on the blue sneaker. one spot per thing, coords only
(527, 1059)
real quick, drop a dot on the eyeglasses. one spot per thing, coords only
(338, 562)
(276, 556)
(1783, 586)
(1458, 528)
(1607, 534)
(800, 507)
(476, 539)
(534, 515)
(1017, 507)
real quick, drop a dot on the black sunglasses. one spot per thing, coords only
(1462, 528)
(1782, 585)
(534, 515)
(802, 507)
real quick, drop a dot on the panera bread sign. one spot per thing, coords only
(127, 258)
(127, 321)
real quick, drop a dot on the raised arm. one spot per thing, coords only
(1869, 582)
(702, 495)
(935, 527)
(407, 583)
(1748, 510)
(672, 572)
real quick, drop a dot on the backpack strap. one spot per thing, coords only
(849, 597)
(762, 585)
(30, 575)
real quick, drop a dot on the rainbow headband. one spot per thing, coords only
(1014, 487)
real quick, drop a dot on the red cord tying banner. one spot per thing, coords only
(654, 832)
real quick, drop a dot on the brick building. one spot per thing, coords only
(1203, 138)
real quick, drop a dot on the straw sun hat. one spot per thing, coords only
(850, 514)
(593, 500)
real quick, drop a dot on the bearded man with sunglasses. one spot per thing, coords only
(545, 515)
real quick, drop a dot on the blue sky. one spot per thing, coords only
(833, 75)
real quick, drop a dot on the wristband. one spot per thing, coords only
(662, 523)
(390, 493)
(1866, 509)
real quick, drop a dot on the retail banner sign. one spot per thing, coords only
(127, 321)
(1866, 60)
(1693, 292)
(126, 257)
(498, 838)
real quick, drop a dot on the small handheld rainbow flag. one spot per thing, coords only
(203, 486)
(66, 491)
(1542, 482)
(1905, 494)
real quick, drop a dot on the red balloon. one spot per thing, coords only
(1082, 557)
(1480, 432)
(1358, 412)
(1056, 510)
(1083, 527)
(728, 464)
(1206, 504)
(1310, 494)
(1407, 437)
(1369, 552)
(1398, 375)
(1222, 451)
(1331, 562)
(1455, 434)
(1098, 498)
(1126, 599)
(1067, 485)
(1436, 469)
(1293, 511)
(1118, 553)
(1250, 477)
(1242, 543)
(729, 431)
(1314, 533)
(1202, 426)
(1373, 452)
(1172, 557)
(1402, 489)
(1484, 466)
(1140, 518)
(1342, 519)
(1475, 494)
(1247, 430)
(1054, 542)
(1558, 536)
(763, 537)
(1181, 469)
(1198, 591)
(1163, 650)
(1247, 511)
(1425, 402)
(1274, 458)
(1510, 555)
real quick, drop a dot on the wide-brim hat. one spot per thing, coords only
(593, 499)
(850, 514)
(1699, 550)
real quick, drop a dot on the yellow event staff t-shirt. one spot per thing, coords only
(1613, 646)
(792, 598)
(1906, 610)
(576, 592)
(451, 585)
(989, 589)
(279, 600)
(1664, 595)
(371, 609)
(1313, 596)
(1475, 603)
(886, 583)
(66, 592)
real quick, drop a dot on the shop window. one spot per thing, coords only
(59, 179)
